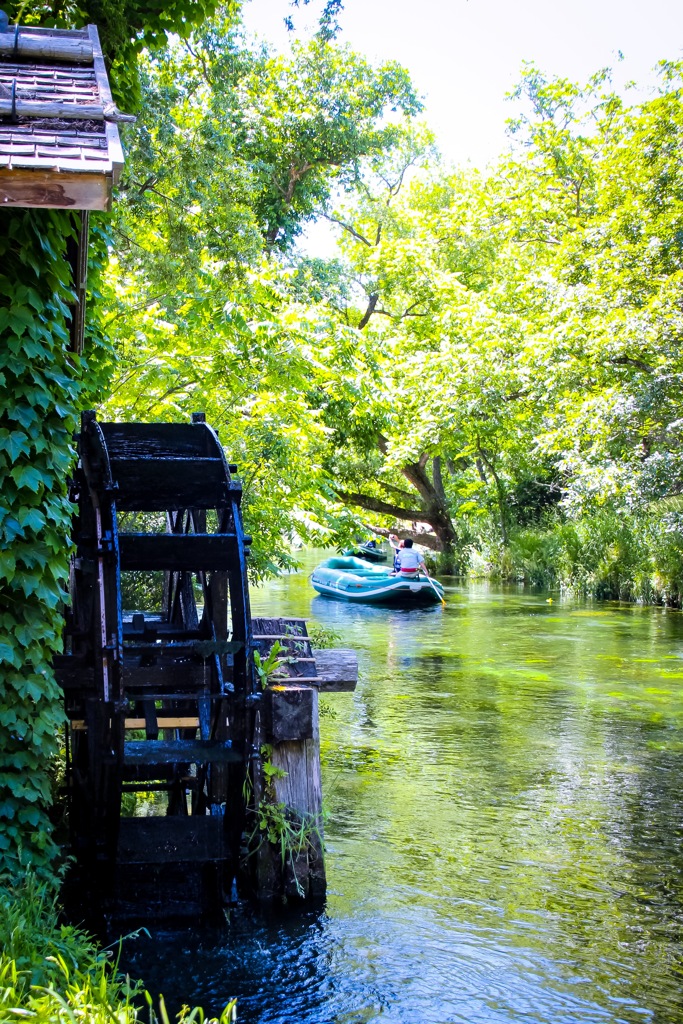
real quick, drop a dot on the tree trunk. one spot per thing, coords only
(500, 498)
(434, 506)
(436, 511)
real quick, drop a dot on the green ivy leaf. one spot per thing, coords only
(9, 655)
(20, 319)
(24, 414)
(28, 477)
(16, 443)
(32, 519)
(8, 565)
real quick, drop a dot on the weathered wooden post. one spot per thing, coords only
(287, 838)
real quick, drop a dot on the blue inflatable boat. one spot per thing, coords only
(352, 579)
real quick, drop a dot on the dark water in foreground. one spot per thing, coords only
(504, 838)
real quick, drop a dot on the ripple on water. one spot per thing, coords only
(504, 839)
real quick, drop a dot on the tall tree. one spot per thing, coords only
(234, 151)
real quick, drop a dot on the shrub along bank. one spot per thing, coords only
(53, 973)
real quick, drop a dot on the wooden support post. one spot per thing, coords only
(300, 790)
(291, 732)
(294, 739)
(219, 780)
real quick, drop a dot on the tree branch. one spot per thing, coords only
(629, 361)
(427, 540)
(397, 317)
(365, 319)
(438, 479)
(371, 504)
(347, 227)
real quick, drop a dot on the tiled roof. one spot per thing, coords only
(26, 145)
(37, 84)
(56, 115)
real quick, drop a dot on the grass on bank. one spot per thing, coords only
(54, 973)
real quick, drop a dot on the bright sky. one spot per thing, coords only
(464, 55)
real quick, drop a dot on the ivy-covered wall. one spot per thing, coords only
(42, 387)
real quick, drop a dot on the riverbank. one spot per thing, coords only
(606, 557)
(56, 973)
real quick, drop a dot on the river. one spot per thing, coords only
(504, 831)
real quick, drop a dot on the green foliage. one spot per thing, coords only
(607, 555)
(515, 363)
(267, 667)
(322, 637)
(200, 292)
(54, 973)
(257, 368)
(42, 386)
(496, 355)
(534, 557)
(290, 832)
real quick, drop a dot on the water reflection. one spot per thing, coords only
(504, 841)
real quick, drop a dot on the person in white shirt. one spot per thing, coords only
(410, 560)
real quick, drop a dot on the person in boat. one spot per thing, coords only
(410, 561)
(371, 544)
(397, 545)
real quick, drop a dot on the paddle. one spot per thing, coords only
(431, 582)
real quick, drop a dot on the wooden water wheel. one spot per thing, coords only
(161, 696)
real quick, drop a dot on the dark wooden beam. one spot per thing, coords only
(171, 839)
(156, 484)
(77, 255)
(153, 752)
(291, 713)
(177, 552)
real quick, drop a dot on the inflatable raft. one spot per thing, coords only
(369, 554)
(352, 579)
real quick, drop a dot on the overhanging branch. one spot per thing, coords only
(371, 504)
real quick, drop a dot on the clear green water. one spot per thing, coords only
(505, 821)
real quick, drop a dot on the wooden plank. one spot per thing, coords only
(160, 629)
(174, 649)
(113, 139)
(160, 440)
(47, 44)
(77, 254)
(153, 752)
(177, 552)
(167, 674)
(178, 722)
(337, 670)
(61, 109)
(79, 725)
(55, 190)
(301, 791)
(294, 679)
(153, 484)
(277, 629)
(279, 636)
(217, 611)
(73, 673)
